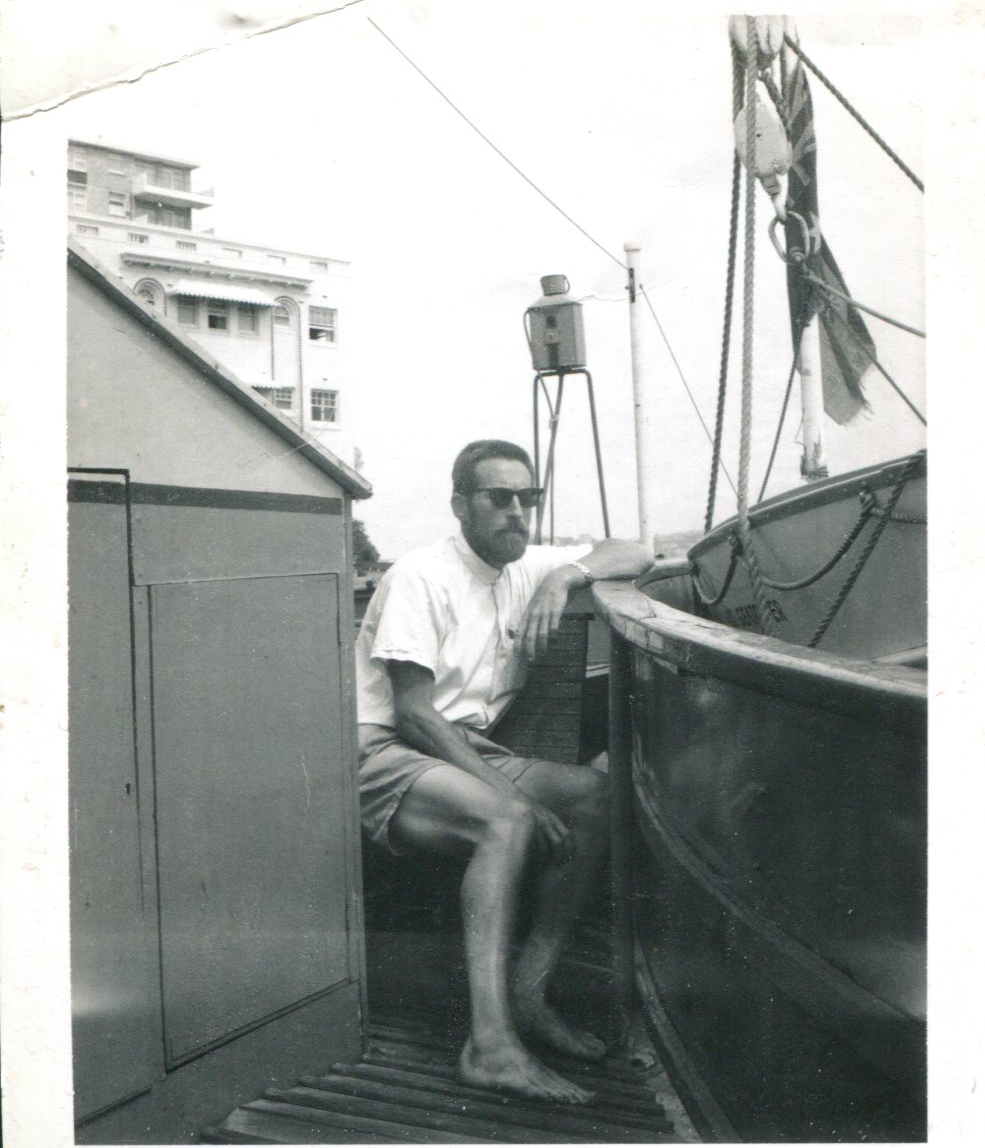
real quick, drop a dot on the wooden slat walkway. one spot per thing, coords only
(405, 1090)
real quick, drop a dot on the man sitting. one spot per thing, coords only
(441, 653)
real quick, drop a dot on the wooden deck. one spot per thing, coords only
(405, 1089)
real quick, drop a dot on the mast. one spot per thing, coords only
(813, 463)
(643, 413)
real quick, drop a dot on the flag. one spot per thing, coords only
(847, 349)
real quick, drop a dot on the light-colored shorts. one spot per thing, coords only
(388, 767)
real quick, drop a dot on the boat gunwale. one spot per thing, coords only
(687, 643)
(818, 494)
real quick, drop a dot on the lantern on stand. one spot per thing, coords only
(556, 338)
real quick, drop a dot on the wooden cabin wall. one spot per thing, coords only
(216, 924)
(134, 403)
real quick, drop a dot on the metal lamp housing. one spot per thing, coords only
(555, 328)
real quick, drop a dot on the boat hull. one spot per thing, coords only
(778, 870)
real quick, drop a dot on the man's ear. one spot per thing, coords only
(459, 505)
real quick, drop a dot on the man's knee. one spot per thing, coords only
(591, 804)
(508, 819)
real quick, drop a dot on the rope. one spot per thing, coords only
(880, 526)
(716, 450)
(818, 282)
(502, 155)
(879, 367)
(870, 509)
(745, 531)
(866, 512)
(795, 47)
(778, 102)
(736, 546)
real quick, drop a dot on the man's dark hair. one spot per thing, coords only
(469, 457)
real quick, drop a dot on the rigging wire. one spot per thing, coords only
(779, 427)
(697, 410)
(795, 47)
(818, 282)
(878, 366)
(501, 154)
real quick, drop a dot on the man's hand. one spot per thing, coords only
(552, 834)
(543, 616)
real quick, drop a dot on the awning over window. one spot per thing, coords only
(228, 292)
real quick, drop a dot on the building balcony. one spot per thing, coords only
(145, 188)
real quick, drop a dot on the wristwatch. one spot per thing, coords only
(583, 569)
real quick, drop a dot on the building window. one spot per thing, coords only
(282, 317)
(117, 204)
(86, 229)
(282, 397)
(137, 237)
(248, 318)
(77, 159)
(185, 245)
(168, 217)
(158, 175)
(177, 178)
(325, 406)
(232, 252)
(188, 310)
(319, 265)
(76, 197)
(218, 312)
(321, 324)
(277, 258)
(79, 177)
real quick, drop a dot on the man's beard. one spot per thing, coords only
(506, 545)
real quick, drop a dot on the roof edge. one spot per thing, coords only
(300, 441)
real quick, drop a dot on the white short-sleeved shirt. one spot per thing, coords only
(447, 610)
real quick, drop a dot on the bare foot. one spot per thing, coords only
(537, 1019)
(512, 1069)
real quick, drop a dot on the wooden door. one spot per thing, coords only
(251, 817)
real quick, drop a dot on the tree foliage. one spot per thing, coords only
(365, 555)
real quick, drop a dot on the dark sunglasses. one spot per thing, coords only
(502, 496)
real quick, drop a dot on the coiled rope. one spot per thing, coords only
(745, 531)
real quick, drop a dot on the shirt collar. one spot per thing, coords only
(482, 570)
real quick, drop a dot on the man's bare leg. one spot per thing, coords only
(449, 811)
(579, 796)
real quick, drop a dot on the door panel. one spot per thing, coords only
(251, 820)
(115, 1002)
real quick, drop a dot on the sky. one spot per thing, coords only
(321, 137)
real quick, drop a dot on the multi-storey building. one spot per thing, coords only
(270, 316)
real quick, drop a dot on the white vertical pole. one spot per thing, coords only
(643, 411)
(814, 464)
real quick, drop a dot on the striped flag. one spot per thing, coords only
(847, 349)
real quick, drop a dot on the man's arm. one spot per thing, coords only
(611, 558)
(419, 724)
